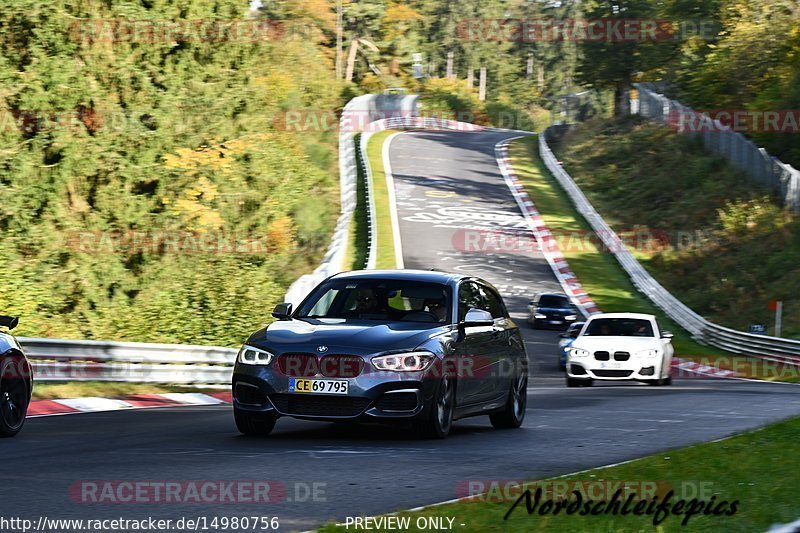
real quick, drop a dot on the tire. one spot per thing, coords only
(513, 413)
(254, 424)
(667, 381)
(14, 397)
(439, 419)
(577, 382)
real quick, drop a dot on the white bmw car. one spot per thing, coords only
(620, 347)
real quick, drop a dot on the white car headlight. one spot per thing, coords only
(539, 316)
(647, 353)
(577, 352)
(254, 356)
(570, 317)
(403, 362)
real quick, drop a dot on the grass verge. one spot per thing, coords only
(603, 277)
(81, 389)
(383, 220)
(358, 242)
(755, 477)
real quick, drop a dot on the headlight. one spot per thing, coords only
(647, 353)
(254, 356)
(570, 317)
(539, 316)
(403, 362)
(577, 352)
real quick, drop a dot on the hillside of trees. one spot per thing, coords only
(126, 166)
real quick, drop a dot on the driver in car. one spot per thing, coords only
(438, 308)
(368, 302)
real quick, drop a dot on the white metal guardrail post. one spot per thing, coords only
(74, 360)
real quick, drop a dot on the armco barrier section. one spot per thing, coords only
(73, 360)
(740, 151)
(771, 348)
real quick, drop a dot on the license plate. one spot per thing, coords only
(556, 322)
(611, 365)
(319, 386)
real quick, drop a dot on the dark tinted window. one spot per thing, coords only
(574, 330)
(619, 327)
(469, 296)
(376, 299)
(495, 303)
(548, 300)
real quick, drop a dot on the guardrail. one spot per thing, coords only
(735, 147)
(73, 360)
(372, 234)
(770, 348)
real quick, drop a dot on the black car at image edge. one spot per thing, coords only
(16, 380)
(404, 346)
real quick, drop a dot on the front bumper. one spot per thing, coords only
(552, 322)
(388, 396)
(635, 369)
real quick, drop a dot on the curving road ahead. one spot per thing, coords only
(370, 470)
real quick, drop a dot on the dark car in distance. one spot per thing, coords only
(552, 310)
(417, 347)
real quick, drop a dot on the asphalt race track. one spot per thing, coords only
(445, 181)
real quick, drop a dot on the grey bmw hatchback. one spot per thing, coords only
(401, 346)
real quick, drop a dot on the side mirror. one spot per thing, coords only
(282, 311)
(666, 334)
(9, 322)
(477, 317)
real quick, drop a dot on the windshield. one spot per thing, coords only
(559, 302)
(619, 327)
(380, 300)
